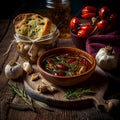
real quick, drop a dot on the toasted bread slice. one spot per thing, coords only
(32, 25)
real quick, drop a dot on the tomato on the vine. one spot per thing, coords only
(87, 28)
(103, 25)
(113, 17)
(99, 19)
(88, 15)
(104, 12)
(74, 23)
(88, 12)
(89, 9)
(82, 33)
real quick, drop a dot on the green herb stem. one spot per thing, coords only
(27, 99)
(75, 93)
(21, 93)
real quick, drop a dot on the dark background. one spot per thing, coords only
(9, 9)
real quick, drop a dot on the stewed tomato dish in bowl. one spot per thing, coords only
(66, 66)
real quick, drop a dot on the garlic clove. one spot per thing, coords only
(13, 70)
(27, 67)
(33, 50)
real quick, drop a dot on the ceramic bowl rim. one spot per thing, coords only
(65, 77)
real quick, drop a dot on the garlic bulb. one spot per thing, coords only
(13, 70)
(27, 67)
(106, 58)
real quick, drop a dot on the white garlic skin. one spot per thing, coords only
(105, 61)
(27, 67)
(13, 71)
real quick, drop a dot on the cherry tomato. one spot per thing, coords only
(103, 25)
(74, 23)
(82, 33)
(113, 18)
(89, 9)
(87, 28)
(88, 15)
(104, 12)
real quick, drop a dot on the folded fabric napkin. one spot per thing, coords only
(95, 42)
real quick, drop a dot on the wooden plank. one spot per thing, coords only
(4, 24)
(11, 55)
(6, 95)
(59, 114)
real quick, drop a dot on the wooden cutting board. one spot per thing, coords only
(98, 82)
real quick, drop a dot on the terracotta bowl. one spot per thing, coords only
(78, 41)
(66, 80)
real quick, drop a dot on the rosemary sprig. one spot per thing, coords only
(75, 93)
(28, 100)
(22, 94)
(19, 106)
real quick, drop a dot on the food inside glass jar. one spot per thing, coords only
(66, 64)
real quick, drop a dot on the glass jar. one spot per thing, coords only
(29, 49)
(60, 13)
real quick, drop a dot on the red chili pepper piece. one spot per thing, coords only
(70, 60)
(61, 73)
(62, 67)
(86, 63)
(76, 62)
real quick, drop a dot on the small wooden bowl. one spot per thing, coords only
(66, 80)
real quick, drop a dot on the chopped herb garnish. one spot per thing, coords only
(67, 63)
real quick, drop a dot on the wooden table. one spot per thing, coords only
(7, 95)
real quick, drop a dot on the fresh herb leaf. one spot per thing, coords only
(22, 94)
(18, 106)
(75, 93)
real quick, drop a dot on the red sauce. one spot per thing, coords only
(66, 64)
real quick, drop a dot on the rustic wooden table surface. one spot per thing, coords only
(7, 95)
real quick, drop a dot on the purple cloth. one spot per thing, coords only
(95, 42)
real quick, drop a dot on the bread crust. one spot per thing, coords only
(32, 25)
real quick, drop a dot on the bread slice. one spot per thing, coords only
(32, 25)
